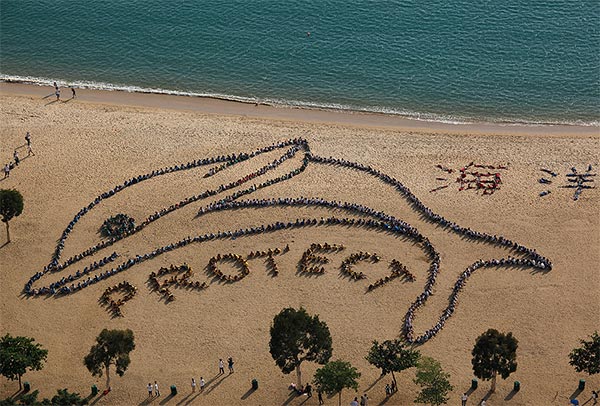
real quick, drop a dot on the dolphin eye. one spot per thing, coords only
(118, 225)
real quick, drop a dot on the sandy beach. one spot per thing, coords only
(88, 145)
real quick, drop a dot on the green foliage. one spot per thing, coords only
(335, 376)
(112, 348)
(494, 353)
(392, 356)
(30, 398)
(18, 354)
(433, 381)
(298, 337)
(587, 358)
(11, 205)
(64, 398)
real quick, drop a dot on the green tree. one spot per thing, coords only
(392, 356)
(11, 205)
(64, 397)
(587, 358)
(433, 381)
(335, 376)
(18, 354)
(296, 337)
(112, 348)
(494, 353)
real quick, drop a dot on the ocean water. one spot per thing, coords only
(515, 61)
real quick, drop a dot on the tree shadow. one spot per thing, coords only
(247, 394)
(220, 381)
(97, 399)
(575, 394)
(291, 397)
(487, 396)
(385, 400)
(182, 401)
(167, 399)
(146, 401)
(374, 383)
(19, 391)
(510, 395)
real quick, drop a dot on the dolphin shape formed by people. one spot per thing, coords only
(369, 219)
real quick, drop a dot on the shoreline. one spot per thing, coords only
(217, 106)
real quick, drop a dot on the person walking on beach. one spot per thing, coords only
(202, 384)
(320, 397)
(73, 92)
(156, 391)
(230, 364)
(193, 385)
(221, 366)
(149, 390)
(16, 157)
(57, 93)
(28, 141)
(6, 171)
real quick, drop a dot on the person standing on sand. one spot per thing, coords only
(156, 391)
(202, 384)
(28, 141)
(221, 366)
(16, 157)
(595, 397)
(230, 364)
(57, 93)
(73, 92)
(193, 385)
(149, 390)
(464, 398)
(6, 171)
(320, 397)
(364, 400)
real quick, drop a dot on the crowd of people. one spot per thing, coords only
(468, 178)
(580, 181)
(117, 225)
(355, 258)
(309, 258)
(379, 220)
(162, 287)
(398, 270)
(114, 306)
(237, 259)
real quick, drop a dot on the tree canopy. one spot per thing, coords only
(296, 337)
(392, 356)
(112, 348)
(494, 353)
(587, 358)
(434, 382)
(11, 205)
(335, 376)
(18, 354)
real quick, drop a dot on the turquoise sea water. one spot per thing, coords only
(455, 60)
